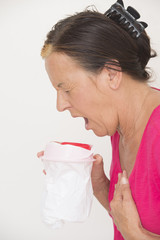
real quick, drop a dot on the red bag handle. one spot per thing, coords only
(82, 145)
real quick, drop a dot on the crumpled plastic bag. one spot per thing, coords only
(68, 192)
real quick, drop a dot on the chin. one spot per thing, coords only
(100, 134)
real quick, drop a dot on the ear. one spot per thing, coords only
(115, 78)
(109, 77)
(115, 74)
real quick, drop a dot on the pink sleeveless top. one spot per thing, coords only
(145, 176)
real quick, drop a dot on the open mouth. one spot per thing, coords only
(85, 119)
(86, 122)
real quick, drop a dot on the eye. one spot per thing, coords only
(67, 91)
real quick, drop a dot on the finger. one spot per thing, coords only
(39, 154)
(117, 191)
(119, 179)
(118, 182)
(98, 168)
(115, 186)
(124, 178)
(98, 159)
(117, 194)
(126, 192)
(125, 187)
(44, 172)
(125, 174)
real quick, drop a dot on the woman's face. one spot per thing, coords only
(77, 92)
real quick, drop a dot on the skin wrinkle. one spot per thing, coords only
(106, 91)
(110, 101)
(60, 85)
(120, 103)
(89, 77)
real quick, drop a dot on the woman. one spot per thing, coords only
(97, 64)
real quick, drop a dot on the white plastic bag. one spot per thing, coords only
(68, 192)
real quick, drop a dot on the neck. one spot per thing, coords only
(132, 112)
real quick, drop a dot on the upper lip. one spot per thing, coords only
(75, 116)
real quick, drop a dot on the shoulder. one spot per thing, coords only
(153, 140)
(152, 133)
(154, 122)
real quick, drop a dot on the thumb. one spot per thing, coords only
(98, 158)
(40, 154)
(125, 187)
(98, 163)
(97, 168)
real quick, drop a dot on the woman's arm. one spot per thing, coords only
(100, 182)
(102, 193)
(146, 235)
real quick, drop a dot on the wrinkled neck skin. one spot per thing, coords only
(137, 103)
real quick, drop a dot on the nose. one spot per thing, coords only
(62, 102)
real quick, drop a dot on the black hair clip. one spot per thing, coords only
(126, 18)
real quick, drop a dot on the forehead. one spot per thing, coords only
(59, 62)
(56, 57)
(62, 68)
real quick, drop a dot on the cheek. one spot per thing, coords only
(80, 100)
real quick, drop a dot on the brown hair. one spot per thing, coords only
(96, 41)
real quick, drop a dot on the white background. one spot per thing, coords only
(29, 118)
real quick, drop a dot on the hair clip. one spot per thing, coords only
(126, 18)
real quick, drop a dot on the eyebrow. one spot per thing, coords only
(60, 84)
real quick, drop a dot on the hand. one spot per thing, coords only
(40, 154)
(98, 176)
(123, 209)
(100, 182)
